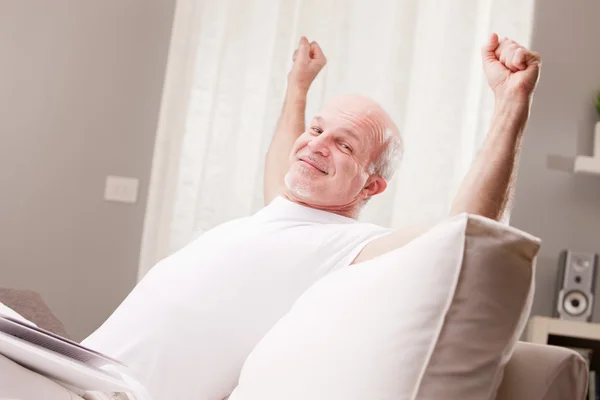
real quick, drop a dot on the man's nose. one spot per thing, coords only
(319, 145)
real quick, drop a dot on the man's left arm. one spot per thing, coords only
(488, 188)
(512, 73)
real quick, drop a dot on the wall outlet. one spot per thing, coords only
(122, 189)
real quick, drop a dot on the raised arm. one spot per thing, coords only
(512, 73)
(308, 61)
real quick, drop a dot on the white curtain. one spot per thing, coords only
(225, 84)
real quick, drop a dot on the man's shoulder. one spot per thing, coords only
(391, 241)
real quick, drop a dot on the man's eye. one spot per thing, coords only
(345, 146)
(317, 130)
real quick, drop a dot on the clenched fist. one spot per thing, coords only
(308, 62)
(511, 70)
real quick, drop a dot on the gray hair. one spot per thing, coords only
(387, 161)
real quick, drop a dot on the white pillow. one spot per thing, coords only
(435, 319)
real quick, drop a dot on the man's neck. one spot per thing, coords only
(351, 210)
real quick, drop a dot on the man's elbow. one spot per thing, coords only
(491, 210)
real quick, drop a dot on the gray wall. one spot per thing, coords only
(80, 89)
(562, 209)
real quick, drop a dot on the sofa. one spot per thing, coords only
(534, 371)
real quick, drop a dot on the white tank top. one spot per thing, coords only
(190, 323)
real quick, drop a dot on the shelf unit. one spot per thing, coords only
(580, 164)
(540, 329)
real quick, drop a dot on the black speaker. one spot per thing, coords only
(576, 286)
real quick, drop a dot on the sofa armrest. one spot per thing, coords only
(543, 372)
(32, 307)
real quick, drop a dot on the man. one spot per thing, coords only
(188, 326)
(512, 73)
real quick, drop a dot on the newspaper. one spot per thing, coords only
(64, 360)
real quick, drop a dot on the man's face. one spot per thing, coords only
(329, 162)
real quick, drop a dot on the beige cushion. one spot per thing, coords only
(435, 319)
(542, 372)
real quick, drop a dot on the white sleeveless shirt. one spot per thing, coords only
(188, 326)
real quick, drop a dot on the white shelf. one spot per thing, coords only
(580, 164)
(587, 165)
(539, 328)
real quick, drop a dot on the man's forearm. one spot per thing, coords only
(292, 120)
(488, 187)
(289, 127)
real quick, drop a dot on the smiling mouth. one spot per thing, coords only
(308, 162)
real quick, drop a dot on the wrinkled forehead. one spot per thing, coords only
(360, 113)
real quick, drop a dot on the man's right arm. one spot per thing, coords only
(289, 127)
(308, 62)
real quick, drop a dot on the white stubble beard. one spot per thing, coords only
(299, 189)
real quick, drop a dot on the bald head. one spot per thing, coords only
(366, 111)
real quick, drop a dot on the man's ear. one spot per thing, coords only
(375, 185)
